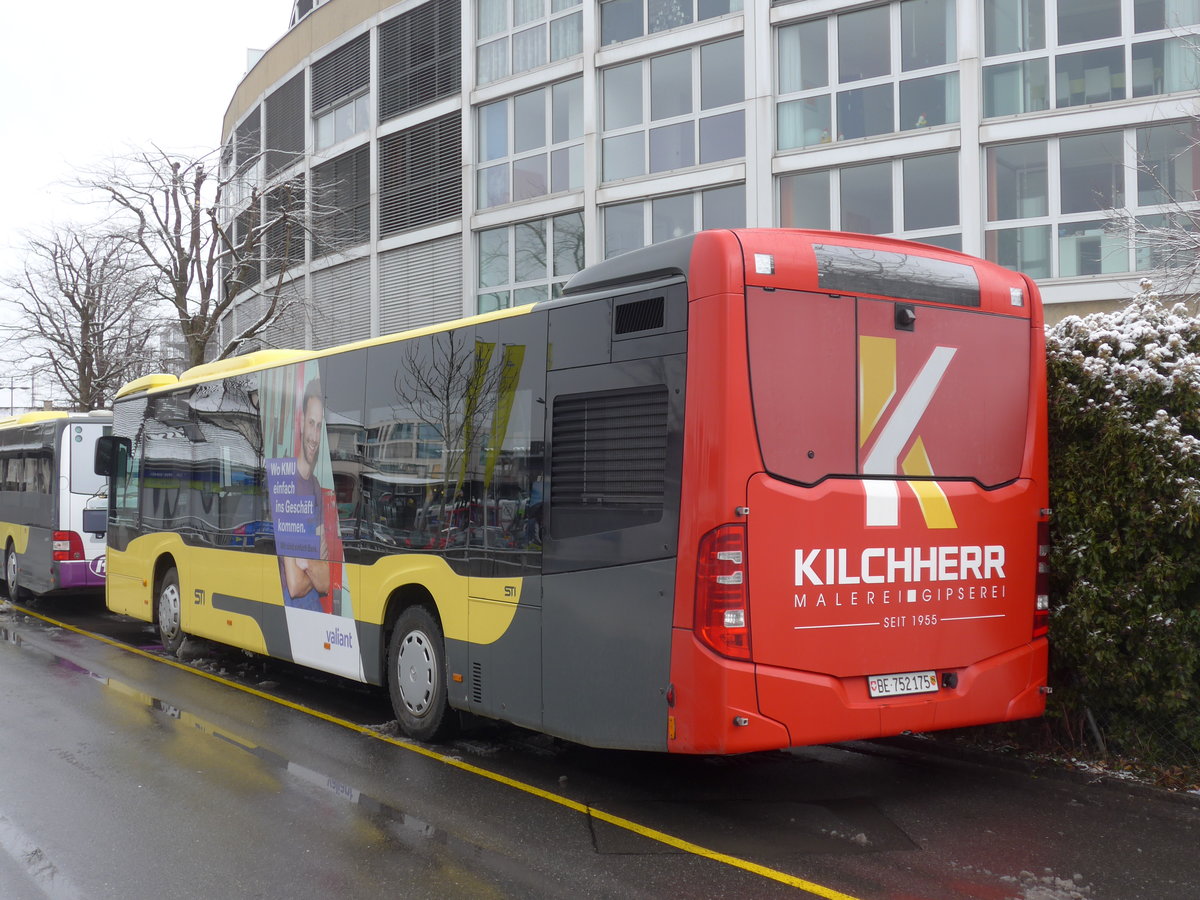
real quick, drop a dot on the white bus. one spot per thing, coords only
(53, 506)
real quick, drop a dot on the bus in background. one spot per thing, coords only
(52, 507)
(742, 490)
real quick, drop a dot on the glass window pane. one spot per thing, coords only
(1088, 20)
(671, 85)
(493, 131)
(802, 123)
(535, 294)
(529, 120)
(567, 100)
(530, 262)
(721, 74)
(927, 34)
(1016, 181)
(723, 137)
(804, 200)
(672, 147)
(623, 228)
(529, 49)
(1014, 88)
(1158, 249)
(711, 8)
(624, 156)
(929, 101)
(1022, 249)
(325, 131)
(623, 96)
(568, 243)
(803, 57)
(723, 207)
(525, 11)
(671, 217)
(493, 186)
(664, 14)
(560, 5)
(490, 17)
(1153, 15)
(486, 303)
(1166, 66)
(948, 241)
(930, 191)
(866, 198)
(620, 20)
(865, 111)
(529, 177)
(362, 113)
(566, 169)
(566, 36)
(1167, 164)
(493, 257)
(864, 49)
(1092, 76)
(1013, 26)
(491, 61)
(1086, 248)
(343, 122)
(1092, 172)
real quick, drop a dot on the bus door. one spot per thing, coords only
(890, 532)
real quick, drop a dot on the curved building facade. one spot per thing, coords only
(477, 153)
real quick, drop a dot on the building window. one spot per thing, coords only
(515, 36)
(420, 175)
(530, 145)
(624, 20)
(1150, 66)
(629, 226)
(344, 186)
(285, 123)
(914, 197)
(527, 262)
(343, 121)
(855, 92)
(674, 111)
(1048, 200)
(419, 57)
(340, 103)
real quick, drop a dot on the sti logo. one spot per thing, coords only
(889, 428)
(98, 566)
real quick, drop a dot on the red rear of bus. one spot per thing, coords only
(864, 493)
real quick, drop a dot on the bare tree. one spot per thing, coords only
(214, 235)
(86, 313)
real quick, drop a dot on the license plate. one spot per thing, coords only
(902, 683)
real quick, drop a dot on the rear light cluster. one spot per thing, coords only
(1041, 608)
(722, 619)
(67, 546)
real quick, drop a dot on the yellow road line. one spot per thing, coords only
(652, 834)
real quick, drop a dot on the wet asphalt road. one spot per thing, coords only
(127, 777)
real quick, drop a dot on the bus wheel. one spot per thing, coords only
(170, 629)
(16, 593)
(417, 676)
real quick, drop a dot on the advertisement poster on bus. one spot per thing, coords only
(300, 493)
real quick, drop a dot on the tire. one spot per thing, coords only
(16, 593)
(168, 609)
(417, 677)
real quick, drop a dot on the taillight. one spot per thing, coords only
(67, 545)
(1041, 606)
(722, 611)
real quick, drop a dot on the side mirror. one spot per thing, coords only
(106, 453)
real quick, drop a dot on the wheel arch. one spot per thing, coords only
(398, 601)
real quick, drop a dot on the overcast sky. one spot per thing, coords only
(83, 81)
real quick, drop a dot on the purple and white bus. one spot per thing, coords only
(53, 506)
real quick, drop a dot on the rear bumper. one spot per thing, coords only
(74, 575)
(732, 707)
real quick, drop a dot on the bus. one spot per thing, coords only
(52, 505)
(741, 490)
